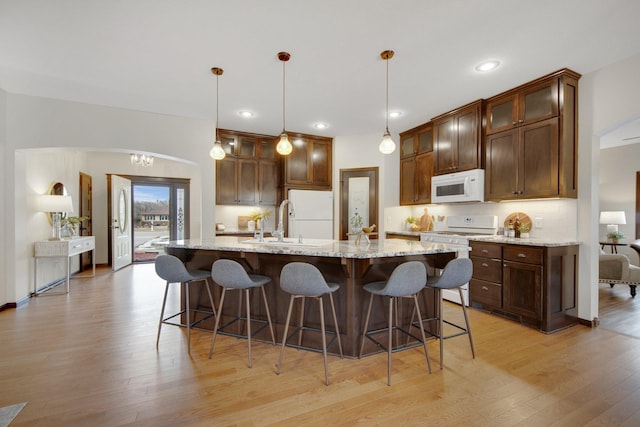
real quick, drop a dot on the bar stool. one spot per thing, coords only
(230, 275)
(406, 281)
(303, 280)
(172, 270)
(456, 273)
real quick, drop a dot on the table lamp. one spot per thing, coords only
(612, 219)
(55, 205)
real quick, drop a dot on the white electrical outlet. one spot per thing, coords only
(538, 222)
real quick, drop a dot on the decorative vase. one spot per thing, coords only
(614, 240)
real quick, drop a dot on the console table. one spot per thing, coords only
(614, 246)
(65, 248)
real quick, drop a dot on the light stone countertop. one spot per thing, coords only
(528, 241)
(377, 248)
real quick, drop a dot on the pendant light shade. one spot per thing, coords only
(284, 146)
(217, 152)
(387, 146)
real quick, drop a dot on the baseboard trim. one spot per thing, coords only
(8, 305)
(590, 323)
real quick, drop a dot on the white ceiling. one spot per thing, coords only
(156, 55)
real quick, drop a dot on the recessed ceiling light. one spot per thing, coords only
(395, 114)
(320, 125)
(487, 66)
(246, 113)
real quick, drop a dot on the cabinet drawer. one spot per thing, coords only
(489, 269)
(528, 255)
(487, 250)
(486, 293)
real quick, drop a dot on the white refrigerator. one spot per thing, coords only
(310, 214)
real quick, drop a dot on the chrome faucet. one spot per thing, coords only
(279, 233)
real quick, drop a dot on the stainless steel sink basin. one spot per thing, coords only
(272, 241)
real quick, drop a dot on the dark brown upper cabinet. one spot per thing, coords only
(309, 166)
(416, 165)
(457, 139)
(250, 173)
(532, 141)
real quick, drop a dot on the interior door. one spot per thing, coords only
(120, 202)
(86, 229)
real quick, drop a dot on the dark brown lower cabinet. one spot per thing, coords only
(535, 285)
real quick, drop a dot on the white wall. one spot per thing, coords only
(39, 123)
(3, 162)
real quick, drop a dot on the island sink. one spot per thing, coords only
(273, 241)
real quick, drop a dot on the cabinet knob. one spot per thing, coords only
(520, 121)
(484, 264)
(513, 123)
(484, 288)
(521, 255)
(484, 251)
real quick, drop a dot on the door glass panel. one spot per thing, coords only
(247, 147)
(406, 146)
(538, 104)
(425, 141)
(267, 150)
(358, 203)
(180, 208)
(502, 115)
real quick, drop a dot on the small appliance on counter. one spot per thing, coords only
(459, 229)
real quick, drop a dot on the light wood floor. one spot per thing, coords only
(89, 359)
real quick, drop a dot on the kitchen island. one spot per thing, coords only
(343, 262)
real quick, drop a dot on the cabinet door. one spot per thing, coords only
(501, 171)
(247, 179)
(539, 157)
(522, 289)
(320, 159)
(444, 140)
(407, 145)
(226, 184)
(268, 149)
(424, 172)
(407, 181)
(466, 151)
(539, 102)
(425, 140)
(297, 166)
(502, 114)
(268, 183)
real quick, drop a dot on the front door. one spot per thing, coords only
(120, 201)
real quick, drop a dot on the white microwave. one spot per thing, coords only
(465, 186)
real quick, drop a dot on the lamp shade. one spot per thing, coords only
(50, 203)
(612, 217)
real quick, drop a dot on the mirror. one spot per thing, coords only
(56, 189)
(358, 193)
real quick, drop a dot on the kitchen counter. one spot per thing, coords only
(549, 243)
(343, 262)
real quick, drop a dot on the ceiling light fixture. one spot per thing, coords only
(395, 114)
(320, 125)
(217, 152)
(387, 146)
(246, 113)
(487, 66)
(143, 160)
(283, 147)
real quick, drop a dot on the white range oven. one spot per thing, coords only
(460, 228)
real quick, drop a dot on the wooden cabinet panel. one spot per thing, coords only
(486, 292)
(226, 182)
(309, 166)
(268, 183)
(541, 138)
(524, 254)
(522, 289)
(457, 139)
(488, 269)
(416, 165)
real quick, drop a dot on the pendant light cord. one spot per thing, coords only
(283, 93)
(217, 80)
(387, 105)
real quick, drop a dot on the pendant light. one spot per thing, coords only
(217, 152)
(283, 147)
(387, 146)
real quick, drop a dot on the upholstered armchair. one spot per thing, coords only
(616, 269)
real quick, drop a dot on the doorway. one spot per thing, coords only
(358, 198)
(160, 213)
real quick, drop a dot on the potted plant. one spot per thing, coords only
(524, 230)
(71, 223)
(411, 222)
(259, 215)
(614, 236)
